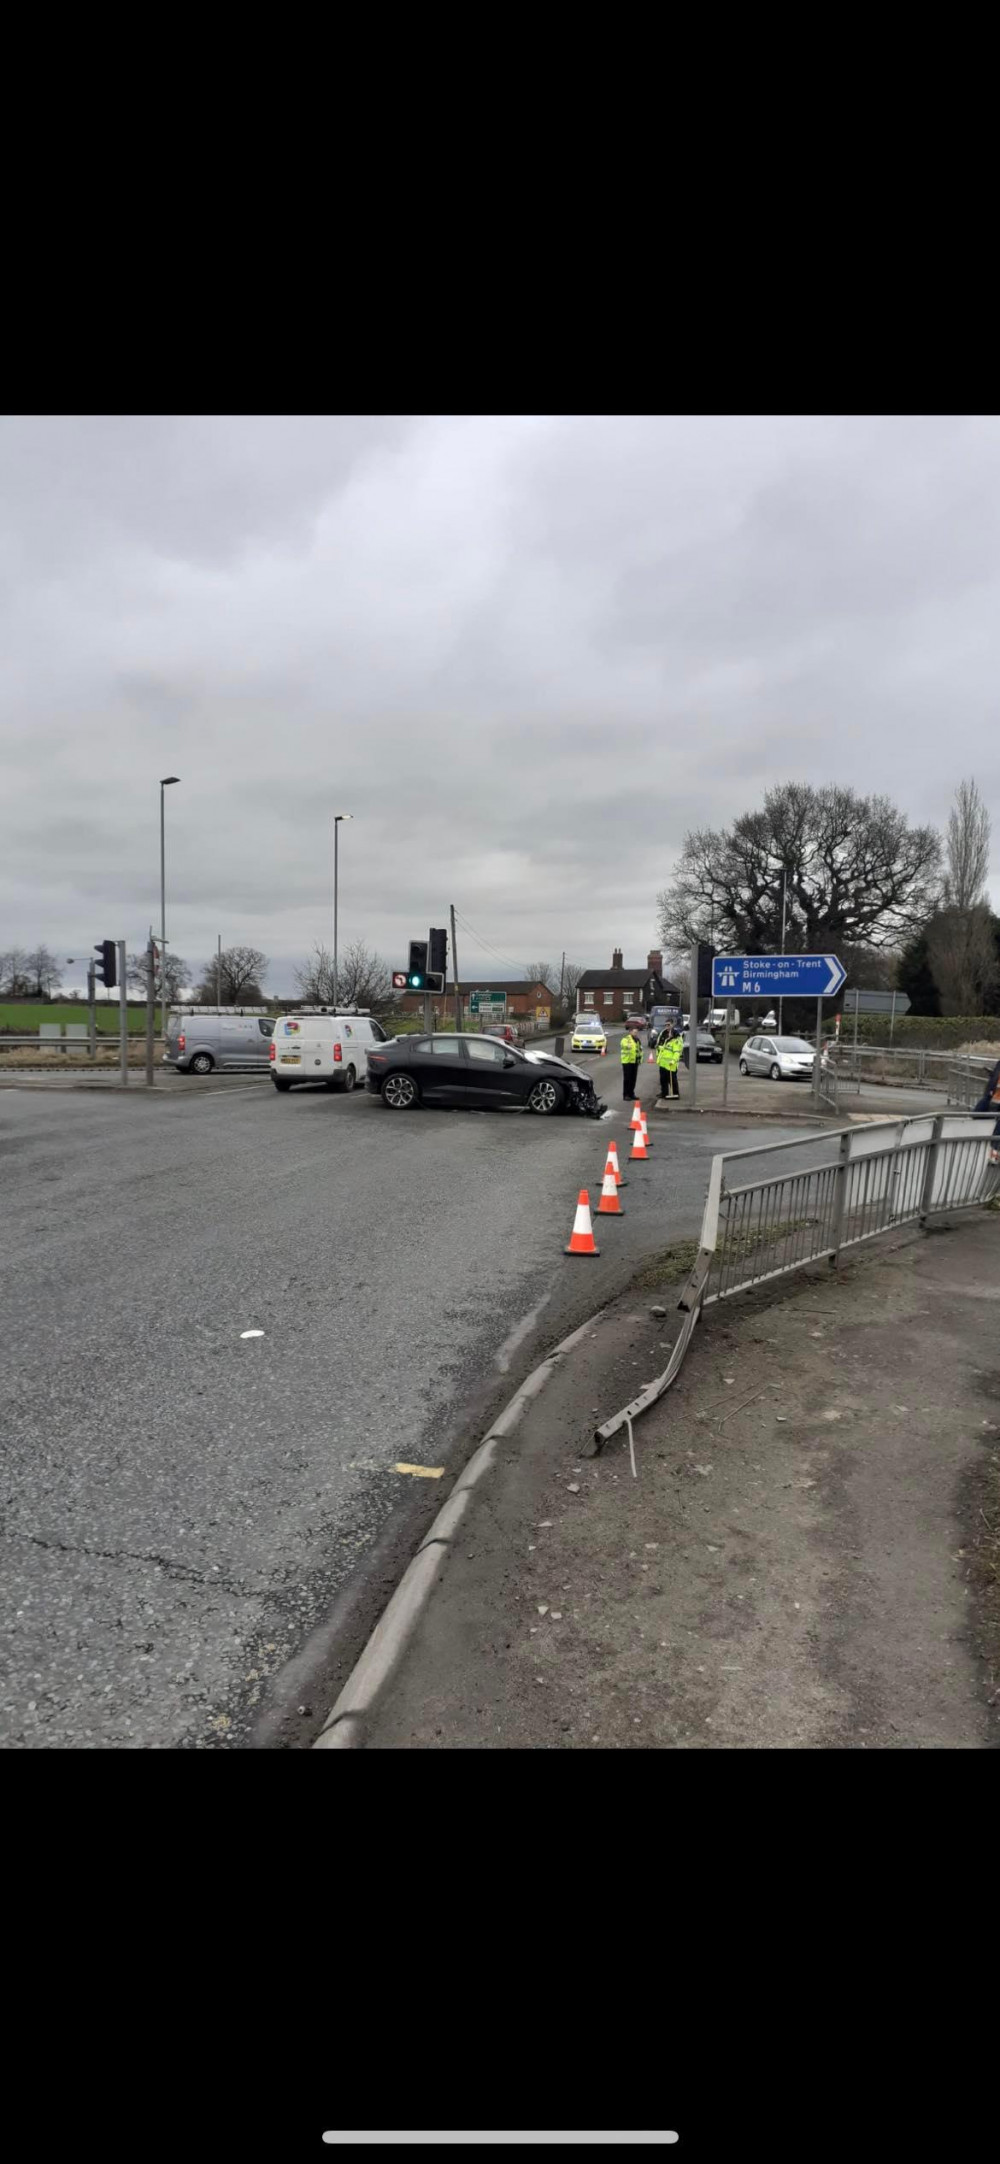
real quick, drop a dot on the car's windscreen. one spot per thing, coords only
(792, 1044)
(589, 1022)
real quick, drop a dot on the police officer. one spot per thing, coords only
(631, 1058)
(668, 1059)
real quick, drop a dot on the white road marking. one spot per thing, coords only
(251, 1333)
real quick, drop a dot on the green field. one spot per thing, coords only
(22, 1016)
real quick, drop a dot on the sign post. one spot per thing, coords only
(725, 1056)
(693, 1030)
(122, 1014)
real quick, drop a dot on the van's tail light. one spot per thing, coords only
(270, 1051)
(181, 1042)
(337, 1052)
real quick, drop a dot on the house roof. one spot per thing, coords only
(615, 980)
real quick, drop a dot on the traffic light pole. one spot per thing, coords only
(693, 1030)
(150, 1011)
(91, 1012)
(454, 972)
(122, 1014)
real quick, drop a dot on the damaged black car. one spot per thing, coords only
(477, 1071)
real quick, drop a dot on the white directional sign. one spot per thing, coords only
(776, 976)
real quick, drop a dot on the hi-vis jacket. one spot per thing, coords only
(668, 1054)
(631, 1049)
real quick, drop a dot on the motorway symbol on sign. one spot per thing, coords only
(876, 1002)
(776, 976)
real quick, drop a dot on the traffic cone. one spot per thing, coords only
(646, 1136)
(636, 1119)
(581, 1239)
(638, 1148)
(651, 1059)
(612, 1160)
(609, 1205)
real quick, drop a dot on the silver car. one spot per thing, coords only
(785, 1059)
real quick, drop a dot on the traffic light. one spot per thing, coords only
(106, 967)
(706, 955)
(416, 972)
(437, 960)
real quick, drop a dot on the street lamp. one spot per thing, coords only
(337, 817)
(166, 783)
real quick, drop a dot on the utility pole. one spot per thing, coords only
(218, 973)
(150, 1008)
(454, 972)
(91, 1012)
(784, 899)
(122, 1014)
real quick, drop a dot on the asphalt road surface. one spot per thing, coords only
(186, 1510)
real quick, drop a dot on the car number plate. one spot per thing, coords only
(290, 1059)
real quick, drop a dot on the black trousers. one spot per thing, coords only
(630, 1069)
(668, 1082)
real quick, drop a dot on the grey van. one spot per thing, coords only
(202, 1038)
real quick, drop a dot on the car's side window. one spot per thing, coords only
(480, 1048)
(380, 1035)
(445, 1047)
(420, 1044)
(266, 1028)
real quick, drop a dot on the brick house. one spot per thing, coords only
(523, 998)
(613, 993)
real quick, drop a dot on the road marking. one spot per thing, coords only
(251, 1333)
(421, 1472)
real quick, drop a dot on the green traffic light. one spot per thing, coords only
(416, 982)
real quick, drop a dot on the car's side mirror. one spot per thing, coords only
(508, 1062)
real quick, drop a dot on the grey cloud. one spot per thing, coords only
(526, 654)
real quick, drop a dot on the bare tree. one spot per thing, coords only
(43, 970)
(177, 974)
(572, 974)
(364, 979)
(241, 975)
(541, 973)
(14, 978)
(968, 849)
(853, 868)
(315, 980)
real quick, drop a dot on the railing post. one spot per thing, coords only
(932, 1165)
(840, 1197)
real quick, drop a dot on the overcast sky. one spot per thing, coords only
(527, 655)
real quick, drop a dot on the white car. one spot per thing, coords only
(785, 1059)
(588, 1034)
(323, 1045)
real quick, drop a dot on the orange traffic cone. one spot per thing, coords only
(646, 1136)
(639, 1149)
(609, 1205)
(612, 1160)
(581, 1239)
(651, 1059)
(636, 1119)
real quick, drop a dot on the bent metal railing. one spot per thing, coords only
(856, 1183)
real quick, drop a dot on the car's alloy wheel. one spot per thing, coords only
(744, 1069)
(202, 1063)
(544, 1097)
(399, 1091)
(775, 1072)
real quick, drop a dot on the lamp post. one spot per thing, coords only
(166, 783)
(338, 816)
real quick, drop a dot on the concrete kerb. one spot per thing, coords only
(342, 1729)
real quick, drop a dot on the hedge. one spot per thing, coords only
(925, 1032)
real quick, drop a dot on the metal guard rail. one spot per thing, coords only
(888, 1173)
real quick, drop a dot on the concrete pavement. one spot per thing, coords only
(200, 1527)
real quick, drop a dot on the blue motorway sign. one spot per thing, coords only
(776, 976)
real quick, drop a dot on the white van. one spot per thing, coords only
(323, 1045)
(717, 1018)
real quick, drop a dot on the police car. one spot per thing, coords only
(588, 1036)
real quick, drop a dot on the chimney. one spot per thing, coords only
(616, 959)
(654, 961)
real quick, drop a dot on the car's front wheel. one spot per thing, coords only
(775, 1072)
(202, 1063)
(744, 1069)
(400, 1092)
(544, 1097)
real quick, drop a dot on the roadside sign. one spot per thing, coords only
(492, 1003)
(776, 976)
(876, 1003)
(399, 980)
